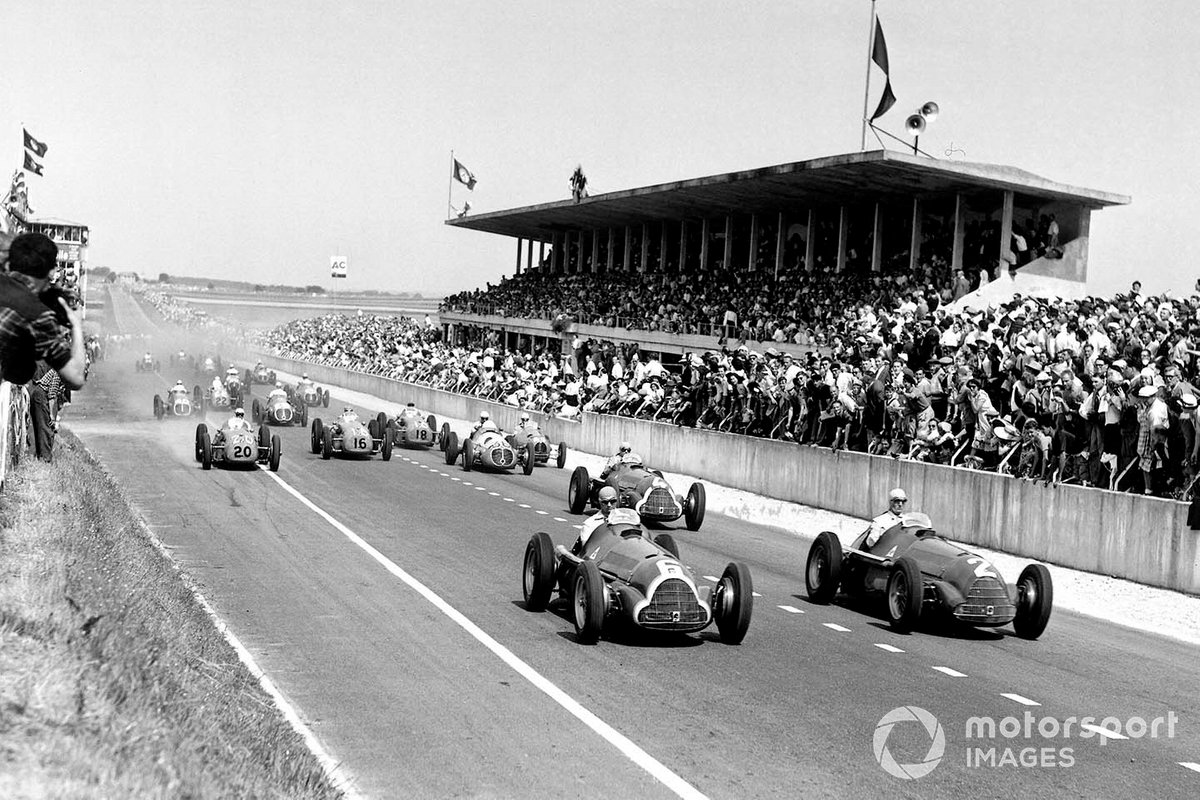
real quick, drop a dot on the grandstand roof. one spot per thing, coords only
(823, 182)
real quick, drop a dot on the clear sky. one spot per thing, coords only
(254, 140)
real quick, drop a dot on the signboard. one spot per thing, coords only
(337, 266)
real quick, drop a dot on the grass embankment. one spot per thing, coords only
(113, 680)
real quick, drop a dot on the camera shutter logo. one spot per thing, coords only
(933, 729)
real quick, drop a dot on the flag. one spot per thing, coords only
(880, 57)
(33, 145)
(878, 52)
(886, 101)
(18, 187)
(32, 165)
(463, 175)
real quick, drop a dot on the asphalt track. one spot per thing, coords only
(346, 579)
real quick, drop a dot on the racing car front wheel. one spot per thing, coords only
(201, 429)
(733, 603)
(561, 461)
(823, 572)
(325, 398)
(206, 453)
(318, 434)
(385, 450)
(1035, 599)
(577, 490)
(445, 437)
(905, 594)
(530, 459)
(468, 453)
(327, 445)
(537, 577)
(693, 509)
(276, 452)
(450, 446)
(589, 602)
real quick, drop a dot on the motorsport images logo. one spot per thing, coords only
(910, 724)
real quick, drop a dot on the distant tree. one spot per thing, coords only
(314, 289)
(258, 287)
(211, 286)
(100, 272)
(111, 277)
(164, 277)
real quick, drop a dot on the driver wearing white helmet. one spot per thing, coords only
(277, 392)
(523, 420)
(485, 422)
(897, 502)
(178, 390)
(304, 384)
(349, 416)
(238, 421)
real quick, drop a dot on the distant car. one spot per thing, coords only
(310, 395)
(489, 448)
(183, 359)
(414, 428)
(260, 374)
(237, 447)
(208, 366)
(147, 364)
(278, 410)
(921, 574)
(350, 438)
(622, 573)
(543, 451)
(218, 398)
(642, 489)
(181, 406)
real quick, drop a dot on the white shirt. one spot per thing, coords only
(590, 525)
(881, 525)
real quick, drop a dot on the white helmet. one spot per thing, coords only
(484, 416)
(179, 383)
(347, 410)
(278, 384)
(624, 448)
(897, 494)
(239, 412)
(524, 417)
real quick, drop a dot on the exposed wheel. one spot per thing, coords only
(468, 455)
(905, 594)
(1035, 600)
(381, 421)
(206, 454)
(589, 602)
(201, 429)
(823, 572)
(537, 575)
(158, 366)
(303, 416)
(693, 508)
(256, 412)
(249, 378)
(276, 452)
(530, 459)
(318, 434)
(158, 407)
(327, 444)
(733, 603)
(197, 397)
(667, 542)
(444, 436)
(450, 446)
(373, 429)
(325, 398)
(562, 455)
(431, 421)
(577, 490)
(264, 438)
(385, 450)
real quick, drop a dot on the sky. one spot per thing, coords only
(254, 140)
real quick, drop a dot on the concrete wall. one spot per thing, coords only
(1124, 535)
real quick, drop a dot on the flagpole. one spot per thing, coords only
(867, 91)
(450, 182)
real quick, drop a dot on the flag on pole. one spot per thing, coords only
(463, 175)
(32, 165)
(880, 56)
(33, 145)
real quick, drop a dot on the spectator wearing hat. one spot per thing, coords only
(1189, 416)
(1152, 434)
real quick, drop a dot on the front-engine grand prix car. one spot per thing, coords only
(309, 395)
(414, 428)
(349, 436)
(278, 410)
(543, 450)
(181, 405)
(260, 374)
(488, 448)
(644, 490)
(623, 573)
(921, 574)
(237, 447)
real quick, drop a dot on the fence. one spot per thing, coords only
(14, 426)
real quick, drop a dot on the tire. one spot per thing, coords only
(667, 542)
(530, 459)
(468, 453)
(381, 421)
(537, 574)
(264, 438)
(158, 366)
(201, 429)
(318, 435)
(325, 398)
(588, 603)
(733, 603)
(327, 445)
(450, 447)
(905, 594)
(158, 407)
(577, 490)
(1035, 601)
(693, 509)
(249, 378)
(431, 421)
(823, 572)
(206, 453)
(444, 437)
(198, 397)
(303, 416)
(256, 412)
(385, 450)
(562, 455)
(374, 430)
(276, 452)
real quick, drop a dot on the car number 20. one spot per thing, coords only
(242, 451)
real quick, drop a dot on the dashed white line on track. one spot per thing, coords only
(888, 648)
(755, 594)
(559, 519)
(444, 474)
(457, 479)
(1192, 765)
(543, 513)
(481, 488)
(467, 483)
(509, 500)
(1107, 733)
(953, 673)
(712, 578)
(833, 626)
(792, 609)
(522, 505)
(494, 494)
(1016, 698)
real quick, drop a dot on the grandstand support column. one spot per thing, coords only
(610, 250)
(628, 248)
(877, 240)
(541, 254)
(1006, 216)
(662, 248)
(644, 265)
(752, 263)
(780, 241)
(704, 234)
(960, 228)
(810, 242)
(682, 245)
(518, 272)
(727, 257)
(914, 243)
(841, 253)
(555, 254)
(595, 251)
(529, 256)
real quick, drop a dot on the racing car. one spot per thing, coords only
(278, 410)
(260, 374)
(644, 490)
(218, 397)
(921, 574)
(543, 451)
(351, 437)
(489, 448)
(208, 366)
(147, 363)
(414, 428)
(242, 447)
(183, 359)
(622, 573)
(182, 406)
(309, 395)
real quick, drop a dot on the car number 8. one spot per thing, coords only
(241, 451)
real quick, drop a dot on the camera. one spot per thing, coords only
(50, 297)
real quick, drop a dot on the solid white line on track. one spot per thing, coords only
(1016, 698)
(1193, 766)
(888, 648)
(1107, 733)
(833, 626)
(953, 673)
(792, 609)
(712, 578)
(614, 737)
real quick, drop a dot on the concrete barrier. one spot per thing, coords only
(1139, 538)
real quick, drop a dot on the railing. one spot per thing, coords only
(14, 426)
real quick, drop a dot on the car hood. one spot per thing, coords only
(950, 562)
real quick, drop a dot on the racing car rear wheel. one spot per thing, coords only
(302, 417)
(905, 594)
(537, 577)
(1035, 599)
(264, 438)
(374, 429)
(201, 429)
(256, 412)
(468, 453)
(450, 445)
(206, 453)
(693, 509)
(325, 398)
(589, 603)
(198, 397)
(445, 437)
(667, 542)
(276, 452)
(577, 490)
(823, 572)
(249, 378)
(733, 602)
(158, 407)
(318, 434)
(530, 459)
(431, 421)
(327, 445)
(562, 455)
(385, 450)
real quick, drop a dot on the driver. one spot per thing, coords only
(147, 359)
(607, 498)
(277, 392)
(178, 390)
(622, 450)
(218, 388)
(231, 375)
(238, 421)
(485, 423)
(349, 417)
(897, 500)
(523, 420)
(305, 384)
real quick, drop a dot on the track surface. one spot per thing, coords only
(414, 704)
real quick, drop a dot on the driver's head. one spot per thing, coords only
(179, 383)
(624, 448)
(304, 377)
(347, 410)
(524, 418)
(607, 499)
(239, 412)
(897, 500)
(484, 416)
(278, 384)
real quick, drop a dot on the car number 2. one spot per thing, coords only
(982, 568)
(241, 451)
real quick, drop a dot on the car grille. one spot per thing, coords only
(660, 503)
(673, 602)
(987, 602)
(503, 457)
(283, 414)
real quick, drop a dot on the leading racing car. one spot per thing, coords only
(621, 573)
(489, 448)
(278, 410)
(921, 574)
(642, 489)
(237, 447)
